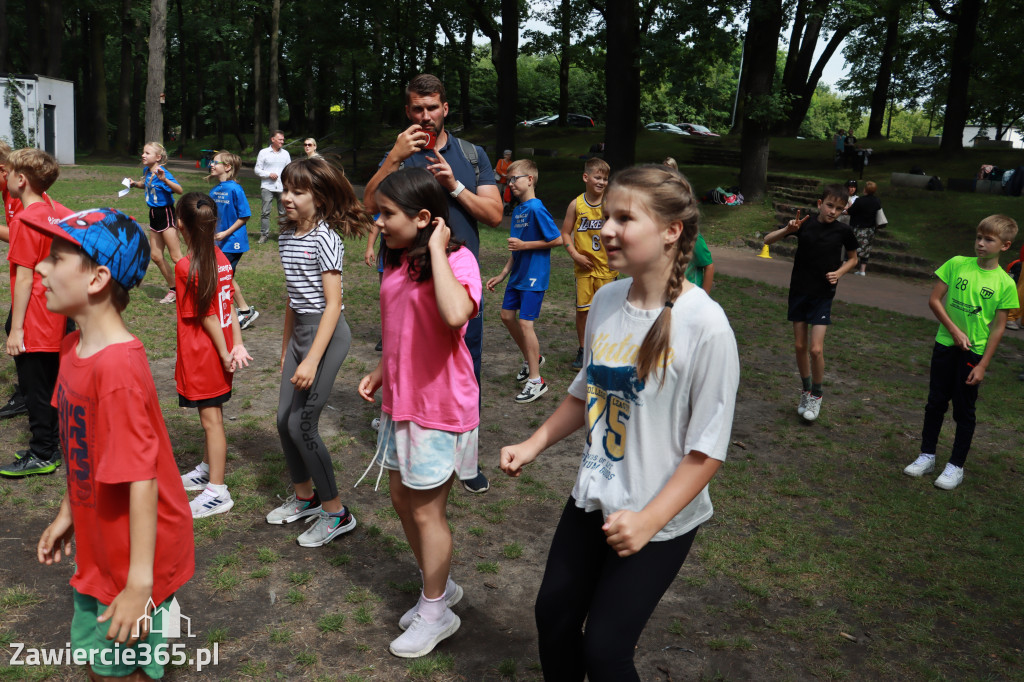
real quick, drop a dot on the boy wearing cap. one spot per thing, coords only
(35, 333)
(124, 500)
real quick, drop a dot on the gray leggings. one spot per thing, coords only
(298, 412)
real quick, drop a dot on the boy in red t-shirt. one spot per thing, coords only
(125, 500)
(35, 333)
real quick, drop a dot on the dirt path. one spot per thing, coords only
(887, 292)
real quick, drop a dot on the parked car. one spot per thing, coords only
(659, 127)
(574, 120)
(697, 129)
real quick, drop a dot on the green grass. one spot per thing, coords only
(332, 622)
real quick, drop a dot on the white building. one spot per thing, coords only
(48, 110)
(982, 136)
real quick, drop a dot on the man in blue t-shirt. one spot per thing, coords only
(532, 236)
(474, 194)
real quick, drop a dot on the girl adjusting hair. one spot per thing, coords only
(641, 489)
(209, 346)
(430, 410)
(319, 203)
(160, 188)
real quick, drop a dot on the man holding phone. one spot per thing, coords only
(463, 170)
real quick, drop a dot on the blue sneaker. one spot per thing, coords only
(478, 484)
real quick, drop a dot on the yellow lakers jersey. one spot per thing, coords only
(586, 239)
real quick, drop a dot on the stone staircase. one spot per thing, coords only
(790, 194)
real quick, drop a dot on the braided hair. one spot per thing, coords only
(668, 197)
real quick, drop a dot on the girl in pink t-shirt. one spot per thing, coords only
(430, 399)
(209, 346)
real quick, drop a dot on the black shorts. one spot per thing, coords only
(810, 309)
(161, 217)
(233, 259)
(206, 402)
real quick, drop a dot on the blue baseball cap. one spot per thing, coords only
(109, 237)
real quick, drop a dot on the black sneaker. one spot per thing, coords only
(29, 465)
(15, 405)
(578, 362)
(380, 346)
(478, 484)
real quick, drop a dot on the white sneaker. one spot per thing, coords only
(802, 407)
(1012, 324)
(421, 637)
(813, 407)
(246, 319)
(209, 503)
(196, 479)
(326, 527)
(950, 478)
(293, 509)
(532, 391)
(452, 596)
(375, 424)
(924, 464)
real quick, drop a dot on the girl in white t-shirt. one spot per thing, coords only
(430, 400)
(318, 202)
(657, 393)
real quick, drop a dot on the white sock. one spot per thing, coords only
(220, 490)
(204, 467)
(432, 609)
(536, 381)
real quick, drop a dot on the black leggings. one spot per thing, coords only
(585, 580)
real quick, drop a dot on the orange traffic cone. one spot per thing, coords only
(764, 252)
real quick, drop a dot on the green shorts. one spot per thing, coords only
(107, 657)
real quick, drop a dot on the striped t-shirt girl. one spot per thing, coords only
(304, 259)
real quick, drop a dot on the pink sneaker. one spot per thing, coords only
(171, 297)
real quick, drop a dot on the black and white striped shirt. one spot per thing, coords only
(304, 260)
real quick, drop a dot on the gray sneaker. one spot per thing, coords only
(294, 509)
(326, 527)
(247, 318)
(421, 637)
(802, 407)
(452, 596)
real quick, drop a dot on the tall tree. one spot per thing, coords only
(761, 109)
(799, 79)
(3, 37)
(622, 67)
(504, 53)
(101, 143)
(155, 70)
(880, 94)
(122, 137)
(54, 35)
(257, 83)
(963, 15)
(272, 85)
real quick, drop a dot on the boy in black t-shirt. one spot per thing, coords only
(817, 267)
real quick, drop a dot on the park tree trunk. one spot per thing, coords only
(185, 97)
(3, 38)
(155, 72)
(101, 143)
(564, 60)
(764, 24)
(622, 76)
(508, 74)
(880, 95)
(54, 36)
(272, 86)
(965, 18)
(138, 84)
(257, 82)
(32, 37)
(122, 140)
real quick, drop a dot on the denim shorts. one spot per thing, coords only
(426, 458)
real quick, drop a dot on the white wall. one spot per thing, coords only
(1014, 135)
(36, 93)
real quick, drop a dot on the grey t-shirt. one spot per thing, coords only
(638, 432)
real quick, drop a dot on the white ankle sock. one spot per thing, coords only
(432, 609)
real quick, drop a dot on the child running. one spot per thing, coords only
(160, 188)
(642, 488)
(232, 214)
(209, 346)
(817, 267)
(317, 201)
(531, 237)
(430, 403)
